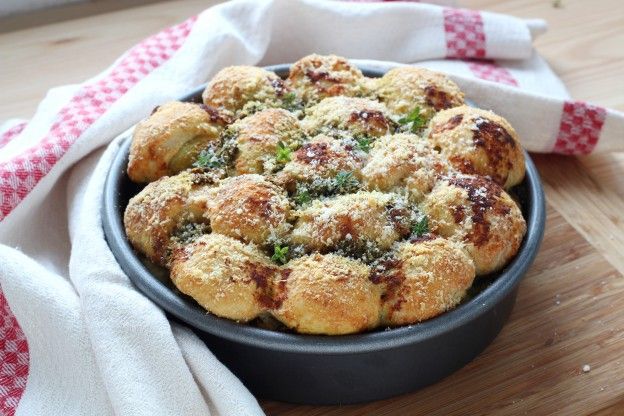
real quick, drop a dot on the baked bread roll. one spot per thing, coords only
(315, 77)
(243, 90)
(403, 162)
(423, 279)
(328, 294)
(356, 117)
(163, 207)
(227, 277)
(259, 136)
(247, 207)
(479, 142)
(170, 139)
(360, 222)
(478, 212)
(404, 88)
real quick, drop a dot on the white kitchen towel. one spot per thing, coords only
(87, 341)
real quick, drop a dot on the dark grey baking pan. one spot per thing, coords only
(342, 369)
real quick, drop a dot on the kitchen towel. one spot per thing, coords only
(76, 337)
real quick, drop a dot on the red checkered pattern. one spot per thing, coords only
(11, 133)
(579, 128)
(20, 175)
(464, 33)
(13, 360)
(490, 71)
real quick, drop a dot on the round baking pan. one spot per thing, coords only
(340, 369)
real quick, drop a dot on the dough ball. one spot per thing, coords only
(478, 212)
(229, 278)
(403, 89)
(424, 279)
(328, 294)
(479, 142)
(258, 137)
(315, 77)
(249, 208)
(403, 161)
(170, 139)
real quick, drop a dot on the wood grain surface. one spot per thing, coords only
(570, 308)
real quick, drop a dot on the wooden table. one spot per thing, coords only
(570, 310)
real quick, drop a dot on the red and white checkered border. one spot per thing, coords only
(489, 70)
(12, 133)
(13, 360)
(465, 37)
(579, 128)
(20, 175)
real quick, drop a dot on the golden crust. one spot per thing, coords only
(321, 157)
(479, 142)
(328, 294)
(357, 116)
(258, 136)
(349, 196)
(247, 207)
(479, 213)
(364, 220)
(228, 278)
(159, 209)
(234, 87)
(402, 89)
(170, 139)
(315, 77)
(403, 161)
(424, 279)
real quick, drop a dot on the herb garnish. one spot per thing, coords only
(345, 182)
(290, 102)
(302, 196)
(283, 153)
(414, 118)
(279, 254)
(363, 143)
(209, 159)
(421, 227)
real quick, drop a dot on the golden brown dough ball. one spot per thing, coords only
(328, 294)
(315, 77)
(169, 140)
(248, 207)
(479, 142)
(235, 89)
(404, 88)
(364, 221)
(422, 280)
(155, 213)
(229, 278)
(479, 213)
(357, 116)
(403, 161)
(258, 136)
(320, 158)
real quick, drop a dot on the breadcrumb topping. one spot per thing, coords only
(329, 202)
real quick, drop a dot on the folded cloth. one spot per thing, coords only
(87, 341)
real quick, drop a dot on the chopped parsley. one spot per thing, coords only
(283, 153)
(280, 254)
(364, 143)
(302, 196)
(209, 159)
(414, 120)
(290, 102)
(345, 182)
(421, 227)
